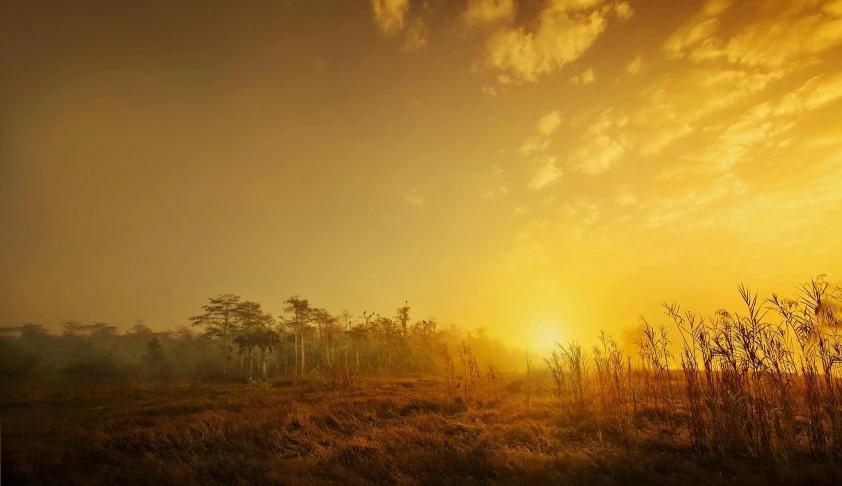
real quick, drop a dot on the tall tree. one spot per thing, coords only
(220, 322)
(301, 314)
(403, 316)
(255, 332)
(325, 323)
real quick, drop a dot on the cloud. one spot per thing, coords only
(563, 33)
(654, 144)
(738, 142)
(760, 127)
(547, 171)
(781, 35)
(490, 91)
(583, 210)
(548, 123)
(596, 154)
(778, 42)
(415, 37)
(389, 15)
(410, 196)
(692, 209)
(319, 64)
(493, 194)
(483, 12)
(534, 144)
(506, 80)
(600, 147)
(587, 77)
(699, 30)
(623, 11)
(546, 174)
(816, 93)
(690, 35)
(833, 7)
(635, 66)
(670, 107)
(545, 127)
(625, 197)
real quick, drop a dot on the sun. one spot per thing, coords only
(545, 333)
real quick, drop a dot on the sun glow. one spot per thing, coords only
(545, 333)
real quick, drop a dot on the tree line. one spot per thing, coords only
(236, 338)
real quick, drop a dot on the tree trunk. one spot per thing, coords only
(251, 363)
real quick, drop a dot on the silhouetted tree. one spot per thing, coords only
(256, 333)
(301, 314)
(403, 316)
(154, 350)
(139, 329)
(220, 322)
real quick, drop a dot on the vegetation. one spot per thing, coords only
(749, 396)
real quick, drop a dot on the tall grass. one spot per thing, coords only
(569, 367)
(614, 385)
(813, 318)
(761, 381)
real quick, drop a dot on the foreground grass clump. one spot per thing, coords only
(381, 431)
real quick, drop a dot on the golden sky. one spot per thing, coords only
(563, 164)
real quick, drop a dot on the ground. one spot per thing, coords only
(390, 431)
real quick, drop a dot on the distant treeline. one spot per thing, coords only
(235, 338)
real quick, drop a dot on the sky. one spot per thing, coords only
(545, 169)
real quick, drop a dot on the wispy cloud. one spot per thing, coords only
(495, 193)
(563, 32)
(635, 66)
(389, 15)
(410, 196)
(587, 77)
(546, 173)
(415, 37)
(601, 147)
(485, 12)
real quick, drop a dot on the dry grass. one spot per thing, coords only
(379, 431)
(754, 402)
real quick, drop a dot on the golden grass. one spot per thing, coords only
(379, 431)
(743, 400)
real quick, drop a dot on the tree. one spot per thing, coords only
(403, 316)
(300, 319)
(220, 322)
(139, 328)
(255, 333)
(31, 331)
(102, 329)
(72, 328)
(154, 350)
(155, 355)
(326, 324)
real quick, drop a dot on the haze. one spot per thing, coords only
(549, 167)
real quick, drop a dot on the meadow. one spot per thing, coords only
(743, 397)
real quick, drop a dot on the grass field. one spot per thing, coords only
(402, 431)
